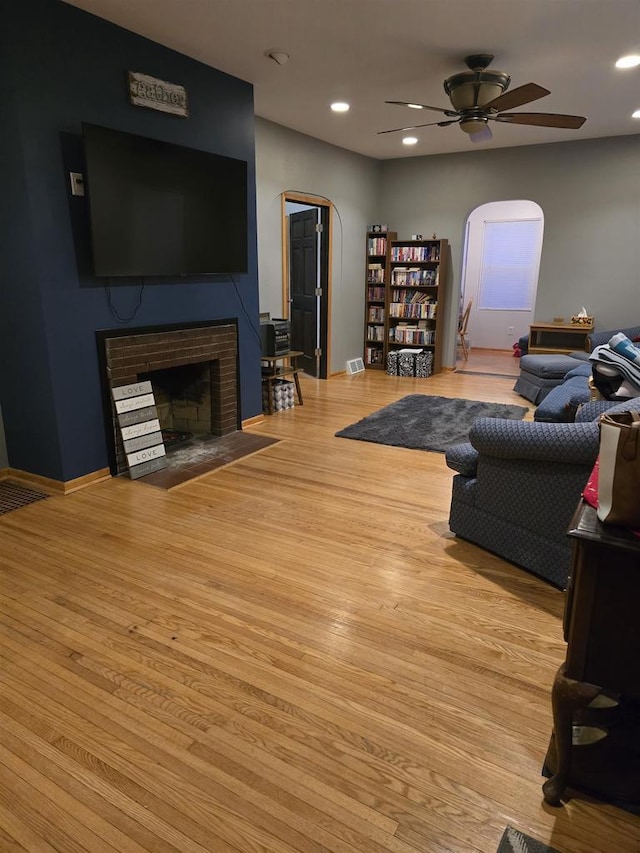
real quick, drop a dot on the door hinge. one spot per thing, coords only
(317, 351)
(318, 291)
(319, 228)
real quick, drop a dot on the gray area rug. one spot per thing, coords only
(514, 841)
(424, 422)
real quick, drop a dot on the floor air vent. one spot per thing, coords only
(355, 365)
(13, 496)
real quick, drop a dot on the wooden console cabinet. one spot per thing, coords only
(559, 337)
(597, 690)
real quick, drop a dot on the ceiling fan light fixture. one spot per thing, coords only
(479, 96)
(473, 125)
(410, 140)
(635, 114)
(340, 107)
(475, 88)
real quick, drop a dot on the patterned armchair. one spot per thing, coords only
(518, 484)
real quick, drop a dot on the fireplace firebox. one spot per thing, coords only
(193, 370)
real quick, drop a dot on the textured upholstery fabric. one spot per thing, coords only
(583, 369)
(561, 403)
(526, 486)
(548, 366)
(539, 374)
(596, 339)
(463, 458)
(493, 437)
(591, 411)
(579, 355)
(519, 498)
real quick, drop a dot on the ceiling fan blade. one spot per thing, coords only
(483, 135)
(416, 126)
(422, 107)
(517, 97)
(543, 119)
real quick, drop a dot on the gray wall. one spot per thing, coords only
(590, 194)
(589, 191)
(293, 162)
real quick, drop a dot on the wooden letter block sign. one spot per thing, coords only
(139, 428)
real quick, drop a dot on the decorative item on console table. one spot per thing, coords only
(377, 263)
(415, 296)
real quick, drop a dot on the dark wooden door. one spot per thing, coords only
(303, 271)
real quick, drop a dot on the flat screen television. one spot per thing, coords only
(158, 209)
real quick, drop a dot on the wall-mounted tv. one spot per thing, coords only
(158, 209)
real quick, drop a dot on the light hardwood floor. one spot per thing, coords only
(290, 654)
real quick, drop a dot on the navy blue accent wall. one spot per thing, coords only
(64, 66)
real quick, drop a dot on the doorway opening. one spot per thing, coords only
(307, 223)
(501, 262)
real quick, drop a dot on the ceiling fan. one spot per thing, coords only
(479, 96)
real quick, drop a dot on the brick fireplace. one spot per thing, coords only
(193, 370)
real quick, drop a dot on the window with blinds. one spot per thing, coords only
(510, 264)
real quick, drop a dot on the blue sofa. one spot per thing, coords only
(518, 483)
(559, 384)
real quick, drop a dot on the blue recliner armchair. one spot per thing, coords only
(518, 484)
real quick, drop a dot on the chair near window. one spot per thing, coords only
(462, 330)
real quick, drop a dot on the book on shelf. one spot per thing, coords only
(408, 254)
(406, 334)
(374, 355)
(412, 309)
(377, 246)
(411, 277)
(375, 276)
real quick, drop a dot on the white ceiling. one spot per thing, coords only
(369, 51)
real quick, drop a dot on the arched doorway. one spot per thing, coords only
(503, 245)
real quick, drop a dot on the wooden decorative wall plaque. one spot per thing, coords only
(146, 91)
(139, 428)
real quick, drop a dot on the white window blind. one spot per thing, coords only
(510, 264)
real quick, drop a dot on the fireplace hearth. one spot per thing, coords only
(194, 374)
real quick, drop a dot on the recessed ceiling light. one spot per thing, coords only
(628, 61)
(340, 107)
(409, 140)
(635, 114)
(415, 106)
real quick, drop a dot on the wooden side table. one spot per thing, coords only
(278, 366)
(602, 630)
(558, 337)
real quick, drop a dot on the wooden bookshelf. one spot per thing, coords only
(414, 309)
(375, 312)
